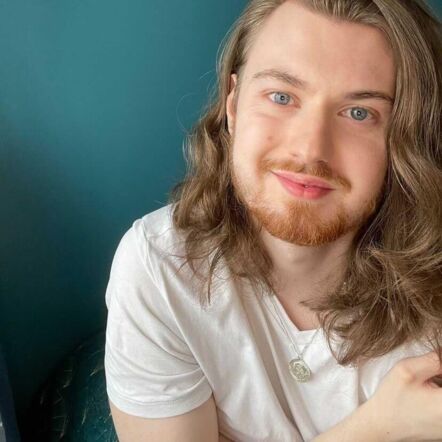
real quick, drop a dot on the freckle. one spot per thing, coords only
(270, 138)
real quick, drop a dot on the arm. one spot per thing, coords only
(201, 425)
(224, 438)
(360, 426)
(198, 425)
(406, 406)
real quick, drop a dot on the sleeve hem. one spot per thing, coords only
(158, 409)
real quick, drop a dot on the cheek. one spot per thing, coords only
(367, 171)
(252, 133)
(256, 135)
(270, 139)
(378, 161)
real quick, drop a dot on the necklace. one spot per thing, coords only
(298, 368)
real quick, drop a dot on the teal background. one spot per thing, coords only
(95, 99)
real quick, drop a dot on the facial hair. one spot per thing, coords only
(299, 222)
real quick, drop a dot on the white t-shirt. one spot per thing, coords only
(165, 355)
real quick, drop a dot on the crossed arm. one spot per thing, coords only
(201, 425)
(198, 425)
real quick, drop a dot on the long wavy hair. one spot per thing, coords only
(393, 290)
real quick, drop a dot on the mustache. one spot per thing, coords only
(318, 170)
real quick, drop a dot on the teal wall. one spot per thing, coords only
(95, 98)
(436, 5)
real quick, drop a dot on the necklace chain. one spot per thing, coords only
(297, 366)
(281, 322)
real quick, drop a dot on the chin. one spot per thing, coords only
(303, 223)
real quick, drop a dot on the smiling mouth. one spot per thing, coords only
(303, 181)
(303, 191)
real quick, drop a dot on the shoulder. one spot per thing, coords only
(157, 222)
(149, 242)
(154, 249)
(156, 230)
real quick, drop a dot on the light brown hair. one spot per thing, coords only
(393, 293)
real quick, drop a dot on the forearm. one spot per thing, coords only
(358, 426)
(223, 438)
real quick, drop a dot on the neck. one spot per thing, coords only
(305, 273)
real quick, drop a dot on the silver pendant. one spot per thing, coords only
(299, 370)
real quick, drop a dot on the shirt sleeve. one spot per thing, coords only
(150, 370)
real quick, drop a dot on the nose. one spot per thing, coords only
(310, 135)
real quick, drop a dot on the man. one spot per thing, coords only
(311, 219)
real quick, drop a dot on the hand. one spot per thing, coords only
(407, 406)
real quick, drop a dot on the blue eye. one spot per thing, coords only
(359, 113)
(281, 98)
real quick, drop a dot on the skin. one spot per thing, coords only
(317, 132)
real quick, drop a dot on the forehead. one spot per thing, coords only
(322, 49)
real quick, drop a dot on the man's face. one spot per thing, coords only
(316, 131)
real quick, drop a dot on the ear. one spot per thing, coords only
(230, 104)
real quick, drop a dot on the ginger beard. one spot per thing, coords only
(300, 221)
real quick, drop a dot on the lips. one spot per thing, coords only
(304, 181)
(301, 191)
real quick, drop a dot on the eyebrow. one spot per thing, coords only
(295, 81)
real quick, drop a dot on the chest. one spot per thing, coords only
(302, 317)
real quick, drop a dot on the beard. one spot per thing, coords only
(299, 221)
